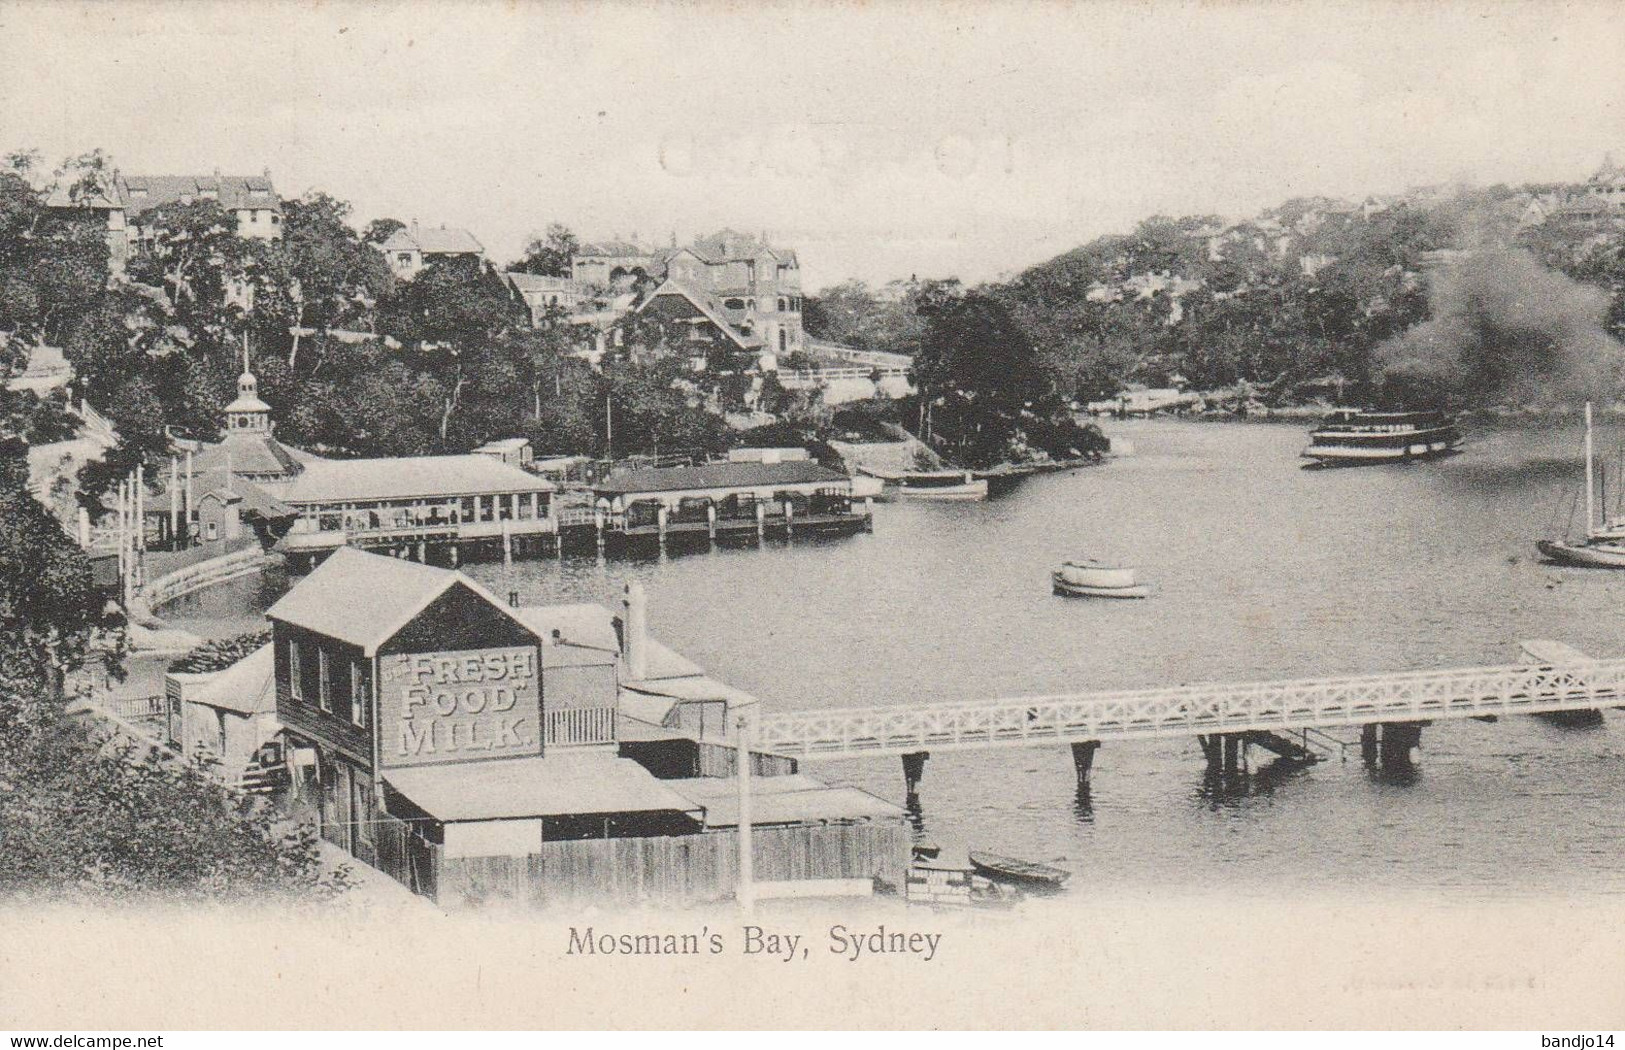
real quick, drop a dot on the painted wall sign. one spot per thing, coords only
(449, 707)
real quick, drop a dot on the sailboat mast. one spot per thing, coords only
(1591, 500)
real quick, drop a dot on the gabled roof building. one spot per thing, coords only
(409, 249)
(123, 200)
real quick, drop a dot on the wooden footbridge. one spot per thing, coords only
(1287, 717)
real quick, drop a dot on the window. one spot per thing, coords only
(358, 694)
(783, 340)
(219, 733)
(783, 305)
(734, 304)
(324, 681)
(296, 676)
(214, 530)
(404, 258)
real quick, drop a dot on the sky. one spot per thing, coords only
(879, 139)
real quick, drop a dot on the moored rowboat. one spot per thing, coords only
(1024, 872)
(1094, 579)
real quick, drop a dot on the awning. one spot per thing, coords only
(691, 689)
(508, 788)
(793, 799)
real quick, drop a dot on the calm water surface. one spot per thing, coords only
(1260, 570)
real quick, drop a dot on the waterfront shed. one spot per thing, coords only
(226, 715)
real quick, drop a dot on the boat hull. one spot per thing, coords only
(1079, 590)
(1096, 575)
(1333, 456)
(973, 490)
(1018, 872)
(1588, 556)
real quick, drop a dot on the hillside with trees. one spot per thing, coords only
(1477, 296)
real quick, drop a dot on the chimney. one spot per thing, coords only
(635, 634)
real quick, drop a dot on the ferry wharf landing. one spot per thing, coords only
(1288, 718)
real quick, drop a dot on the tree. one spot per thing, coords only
(50, 614)
(452, 315)
(979, 373)
(318, 275)
(80, 820)
(380, 230)
(550, 254)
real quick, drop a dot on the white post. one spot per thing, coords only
(635, 628)
(186, 521)
(141, 506)
(1591, 510)
(747, 874)
(84, 528)
(120, 533)
(174, 502)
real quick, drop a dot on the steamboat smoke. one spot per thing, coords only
(1505, 328)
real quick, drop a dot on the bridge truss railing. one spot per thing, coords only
(1221, 708)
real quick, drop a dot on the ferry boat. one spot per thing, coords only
(1088, 578)
(1603, 545)
(1351, 436)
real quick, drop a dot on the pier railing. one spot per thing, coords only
(1222, 708)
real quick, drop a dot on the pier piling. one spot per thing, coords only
(1393, 747)
(1083, 760)
(914, 771)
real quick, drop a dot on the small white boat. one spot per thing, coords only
(943, 485)
(1094, 579)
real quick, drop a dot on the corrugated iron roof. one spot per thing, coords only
(716, 476)
(328, 600)
(434, 240)
(793, 799)
(247, 687)
(613, 250)
(707, 305)
(515, 788)
(436, 477)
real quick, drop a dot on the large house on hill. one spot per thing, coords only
(409, 249)
(122, 200)
(727, 289)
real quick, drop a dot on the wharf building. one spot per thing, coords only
(479, 750)
(249, 487)
(718, 501)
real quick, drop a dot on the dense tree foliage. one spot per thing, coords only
(550, 254)
(1441, 296)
